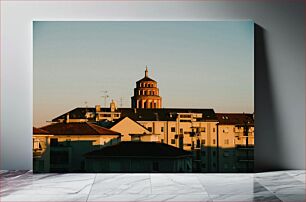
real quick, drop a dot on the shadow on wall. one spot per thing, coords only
(268, 154)
(142, 157)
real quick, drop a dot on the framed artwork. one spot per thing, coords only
(143, 96)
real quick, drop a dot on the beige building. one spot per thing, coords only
(130, 130)
(41, 150)
(70, 141)
(235, 142)
(219, 142)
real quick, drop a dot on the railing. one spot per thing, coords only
(243, 146)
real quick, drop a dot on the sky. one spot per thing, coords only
(197, 64)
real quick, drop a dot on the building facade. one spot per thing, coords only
(41, 150)
(219, 142)
(70, 141)
(235, 142)
(139, 157)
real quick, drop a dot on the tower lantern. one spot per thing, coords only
(146, 72)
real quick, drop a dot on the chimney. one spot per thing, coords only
(98, 108)
(67, 118)
(113, 106)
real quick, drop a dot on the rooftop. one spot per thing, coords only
(235, 118)
(139, 149)
(162, 114)
(83, 128)
(39, 131)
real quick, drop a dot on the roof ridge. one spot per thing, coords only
(95, 126)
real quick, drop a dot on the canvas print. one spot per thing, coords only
(143, 96)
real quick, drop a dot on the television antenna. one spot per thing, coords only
(105, 96)
(121, 102)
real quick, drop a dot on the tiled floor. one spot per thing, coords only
(269, 186)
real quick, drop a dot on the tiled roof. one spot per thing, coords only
(39, 131)
(77, 113)
(78, 129)
(145, 79)
(235, 119)
(163, 114)
(139, 149)
(166, 114)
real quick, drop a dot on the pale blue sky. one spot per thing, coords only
(200, 64)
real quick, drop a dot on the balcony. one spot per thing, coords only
(243, 146)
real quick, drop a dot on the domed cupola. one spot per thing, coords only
(146, 93)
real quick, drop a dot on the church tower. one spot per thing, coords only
(146, 93)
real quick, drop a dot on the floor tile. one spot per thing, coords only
(175, 184)
(150, 197)
(48, 184)
(292, 197)
(235, 184)
(121, 184)
(43, 198)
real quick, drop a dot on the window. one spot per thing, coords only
(105, 115)
(172, 129)
(203, 141)
(214, 141)
(214, 130)
(150, 129)
(37, 144)
(162, 129)
(172, 141)
(226, 141)
(203, 129)
(185, 116)
(135, 138)
(181, 131)
(162, 140)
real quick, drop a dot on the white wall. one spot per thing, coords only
(280, 110)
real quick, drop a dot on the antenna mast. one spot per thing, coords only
(105, 96)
